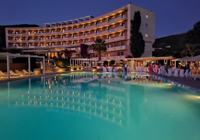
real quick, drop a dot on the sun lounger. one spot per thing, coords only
(18, 72)
(13, 74)
(2, 74)
(194, 77)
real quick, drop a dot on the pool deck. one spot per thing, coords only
(4, 80)
(183, 81)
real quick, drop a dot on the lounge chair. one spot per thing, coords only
(110, 69)
(2, 74)
(115, 69)
(25, 72)
(104, 69)
(194, 77)
(159, 71)
(18, 72)
(181, 74)
(169, 72)
(13, 74)
(176, 73)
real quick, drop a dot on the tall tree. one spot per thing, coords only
(99, 46)
(137, 44)
(84, 52)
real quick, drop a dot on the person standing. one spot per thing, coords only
(125, 67)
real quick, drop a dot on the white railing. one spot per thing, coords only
(109, 39)
(111, 20)
(99, 24)
(111, 30)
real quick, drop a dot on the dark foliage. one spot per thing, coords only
(84, 52)
(137, 44)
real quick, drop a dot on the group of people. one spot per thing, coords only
(163, 68)
(113, 68)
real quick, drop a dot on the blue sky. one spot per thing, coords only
(172, 16)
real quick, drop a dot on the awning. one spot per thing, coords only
(187, 58)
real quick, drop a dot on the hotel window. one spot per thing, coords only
(146, 35)
(146, 25)
(118, 53)
(122, 53)
(108, 55)
(147, 16)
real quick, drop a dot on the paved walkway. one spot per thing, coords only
(4, 80)
(183, 81)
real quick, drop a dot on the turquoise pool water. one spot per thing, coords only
(98, 106)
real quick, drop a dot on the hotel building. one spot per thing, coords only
(113, 27)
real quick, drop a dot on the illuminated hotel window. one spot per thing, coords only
(108, 55)
(146, 35)
(147, 16)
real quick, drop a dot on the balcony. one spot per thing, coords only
(74, 30)
(116, 39)
(80, 37)
(99, 24)
(124, 47)
(90, 51)
(111, 57)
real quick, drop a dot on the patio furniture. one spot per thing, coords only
(25, 72)
(13, 74)
(2, 74)
(18, 72)
(176, 73)
(163, 71)
(181, 74)
(159, 71)
(110, 69)
(169, 72)
(104, 69)
(115, 69)
(194, 77)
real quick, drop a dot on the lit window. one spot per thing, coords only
(146, 35)
(108, 55)
(147, 16)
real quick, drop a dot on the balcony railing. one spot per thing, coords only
(99, 24)
(111, 30)
(109, 39)
(111, 20)
(69, 31)
(121, 47)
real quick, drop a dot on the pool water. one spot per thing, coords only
(98, 106)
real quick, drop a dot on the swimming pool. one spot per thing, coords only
(98, 106)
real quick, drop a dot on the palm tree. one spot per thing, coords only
(99, 46)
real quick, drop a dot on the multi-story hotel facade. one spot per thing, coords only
(113, 27)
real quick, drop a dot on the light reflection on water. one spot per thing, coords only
(89, 105)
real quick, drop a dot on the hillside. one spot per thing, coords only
(174, 41)
(2, 32)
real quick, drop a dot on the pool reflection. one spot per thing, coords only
(110, 96)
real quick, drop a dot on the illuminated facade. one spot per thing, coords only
(113, 27)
